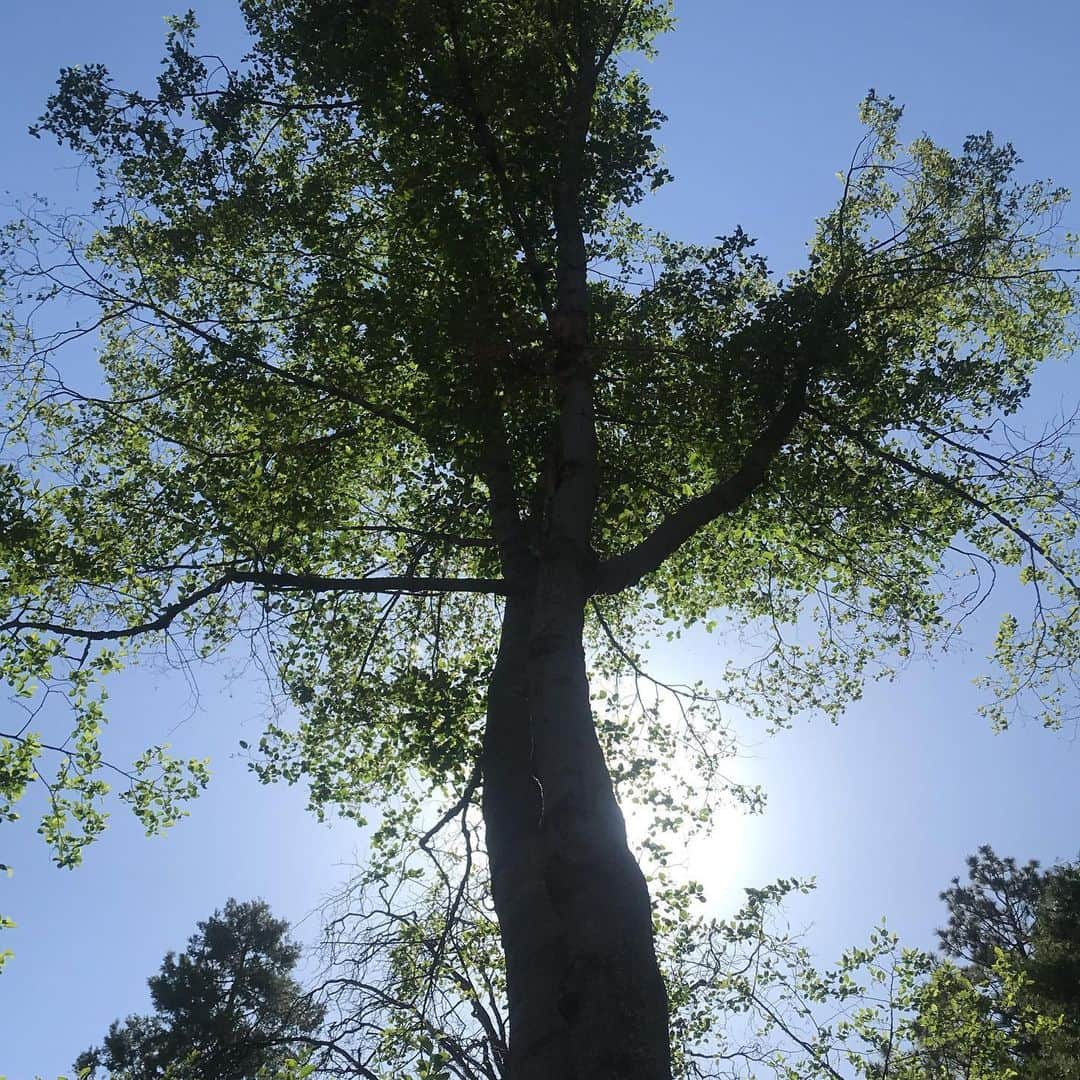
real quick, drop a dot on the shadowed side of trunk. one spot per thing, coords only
(586, 998)
(533, 937)
(613, 996)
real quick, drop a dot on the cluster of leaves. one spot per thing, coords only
(48, 677)
(1001, 1002)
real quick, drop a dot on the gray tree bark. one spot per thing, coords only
(586, 998)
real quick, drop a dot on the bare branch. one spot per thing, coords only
(461, 804)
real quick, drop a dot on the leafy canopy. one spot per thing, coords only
(321, 289)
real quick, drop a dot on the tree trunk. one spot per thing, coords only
(532, 935)
(586, 998)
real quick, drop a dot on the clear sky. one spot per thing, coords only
(882, 808)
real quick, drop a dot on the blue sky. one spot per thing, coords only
(882, 808)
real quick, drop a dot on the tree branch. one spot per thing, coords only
(489, 148)
(608, 48)
(954, 487)
(460, 804)
(222, 349)
(161, 622)
(273, 582)
(625, 570)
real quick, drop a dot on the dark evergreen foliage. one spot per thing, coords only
(227, 1008)
(1031, 918)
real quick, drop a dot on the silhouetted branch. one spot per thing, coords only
(625, 570)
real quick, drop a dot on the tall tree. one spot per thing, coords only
(993, 910)
(227, 1008)
(391, 382)
(1029, 918)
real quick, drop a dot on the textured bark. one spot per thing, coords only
(613, 996)
(586, 998)
(532, 935)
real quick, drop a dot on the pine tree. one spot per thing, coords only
(227, 1008)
